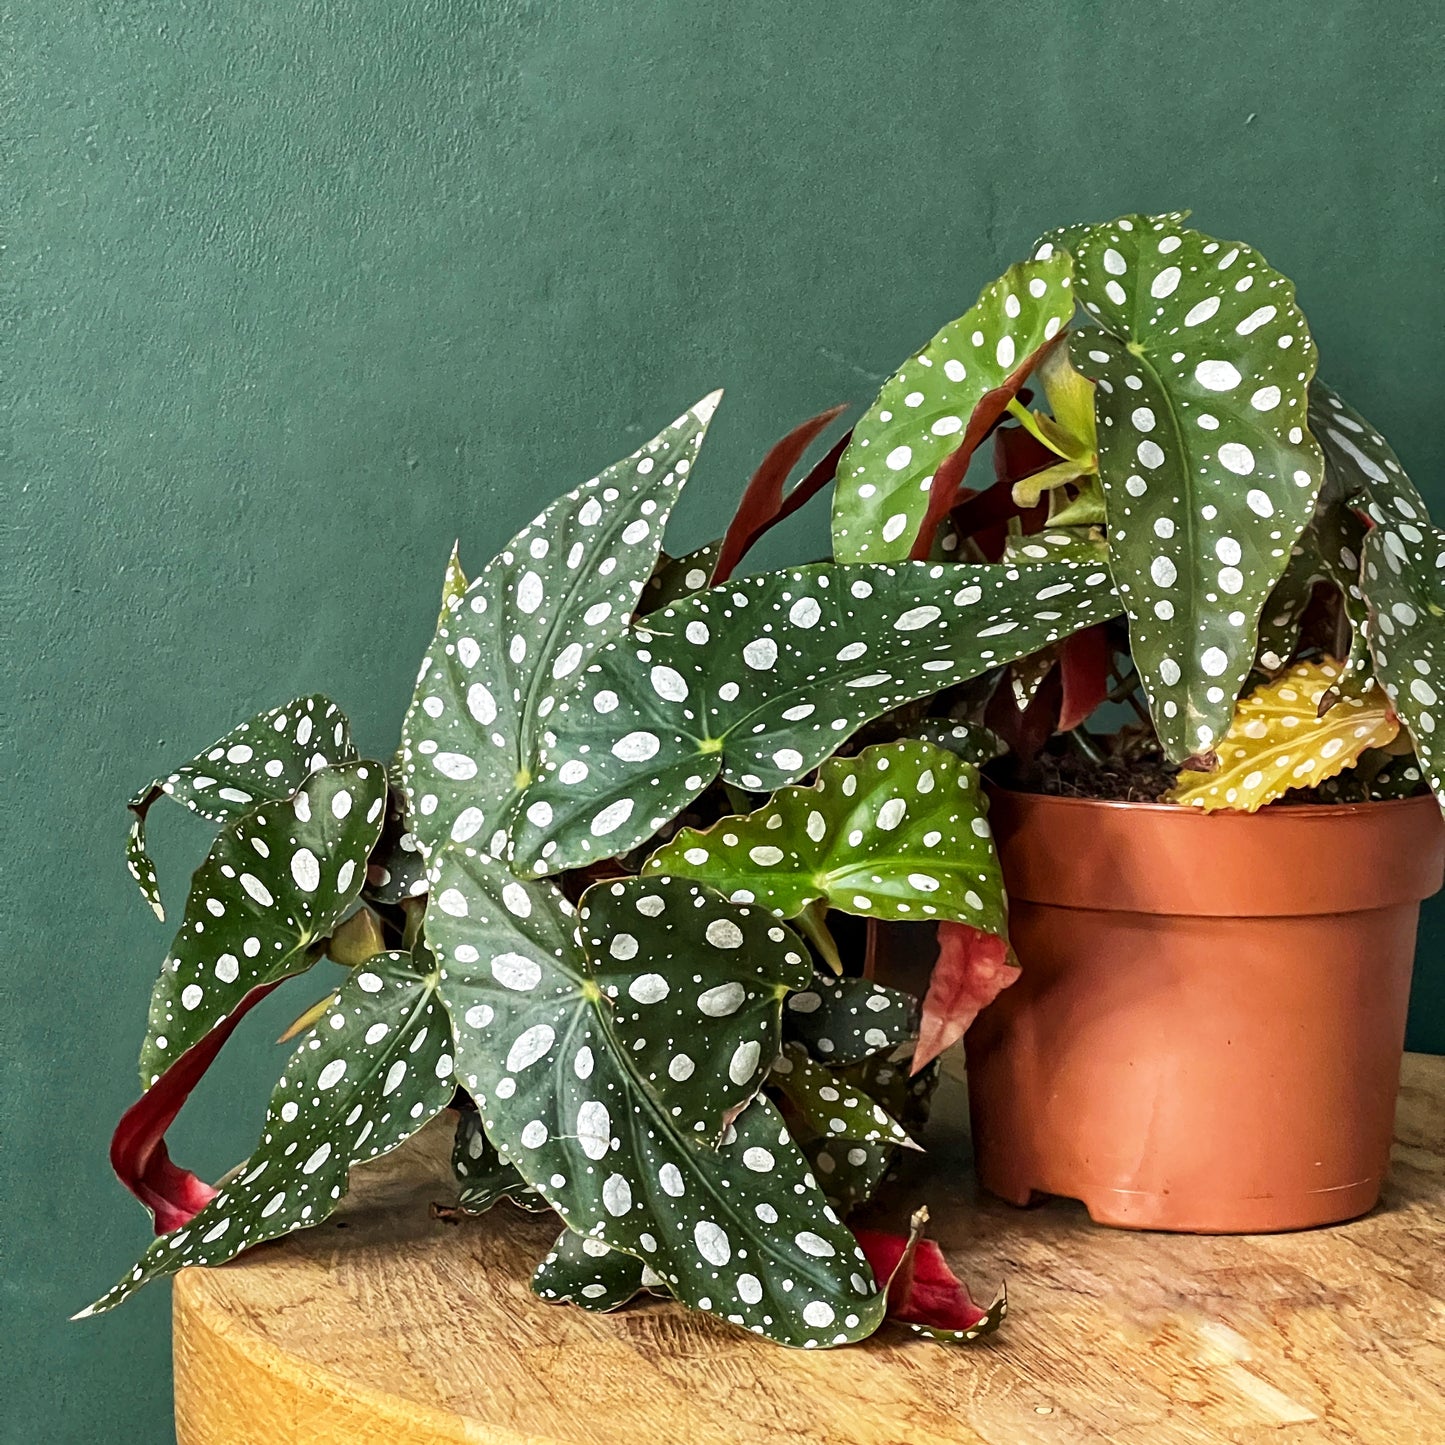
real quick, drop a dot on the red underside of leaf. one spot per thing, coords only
(972, 970)
(1084, 660)
(763, 505)
(1025, 733)
(943, 494)
(922, 1290)
(138, 1151)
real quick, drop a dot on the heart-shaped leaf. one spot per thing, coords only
(363, 1080)
(1404, 580)
(273, 886)
(506, 652)
(943, 401)
(845, 1020)
(897, 832)
(607, 1052)
(762, 679)
(1209, 475)
(1280, 740)
(266, 758)
(482, 1176)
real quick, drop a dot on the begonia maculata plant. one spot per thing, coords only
(591, 905)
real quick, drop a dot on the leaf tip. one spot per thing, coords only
(707, 406)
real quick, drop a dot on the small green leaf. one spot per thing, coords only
(846, 1020)
(1360, 464)
(367, 1077)
(898, 832)
(923, 411)
(1209, 475)
(582, 1270)
(266, 758)
(678, 577)
(396, 868)
(607, 1049)
(1404, 581)
(1084, 545)
(848, 1171)
(509, 650)
(831, 1106)
(763, 678)
(482, 1176)
(972, 742)
(274, 885)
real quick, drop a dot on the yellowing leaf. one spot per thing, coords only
(1278, 740)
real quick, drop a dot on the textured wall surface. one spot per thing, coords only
(302, 291)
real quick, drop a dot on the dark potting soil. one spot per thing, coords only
(1130, 778)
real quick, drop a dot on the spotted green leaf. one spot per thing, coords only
(923, 411)
(508, 649)
(848, 1171)
(1202, 368)
(609, 1049)
(273, 886)
(268, 757)
(396, 868)
(898, 832)
(846, 1020)
(1085, 545)
(972, 742)
(364, 1079)
(482, 1176)
(676, 577)
(761, 679)
(831, 1106)
(1360, 464)
(580, 1269)
(1404, 581)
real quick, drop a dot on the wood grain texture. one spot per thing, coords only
(384, 1325)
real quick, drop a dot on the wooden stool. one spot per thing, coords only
(386, 1327)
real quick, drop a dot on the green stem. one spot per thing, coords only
(1025, 418)
(813, 925)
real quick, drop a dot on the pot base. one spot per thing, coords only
(1138, 1209)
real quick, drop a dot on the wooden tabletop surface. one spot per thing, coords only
(384, 1325)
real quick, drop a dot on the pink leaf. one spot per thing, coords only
(1084, 661)
(922, 1291)
(763, 505)
(138, 1152)
(973, 968)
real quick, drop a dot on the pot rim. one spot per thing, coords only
(1295, 810)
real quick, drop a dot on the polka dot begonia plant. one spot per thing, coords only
(587, 904)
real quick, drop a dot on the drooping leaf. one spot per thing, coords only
(138, 1152)
(762, 679)
(273, 886)
(364, 1080)
(831, 1107)
(763, 505)
(584, 1271)
(923, 1292)
(1279, 740)
(849, 1172)
(1360, 465)
(939, 405)
(897, 832)
(1328, 551)
(608, 1050)
(266, 758)
(973, 968)
(565, 585)
(1209, 475)
(845, 1020)
(482, 1176)
(1404, 581)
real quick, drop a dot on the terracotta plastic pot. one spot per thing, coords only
(1207, 1032)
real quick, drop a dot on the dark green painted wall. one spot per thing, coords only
(303, 291)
